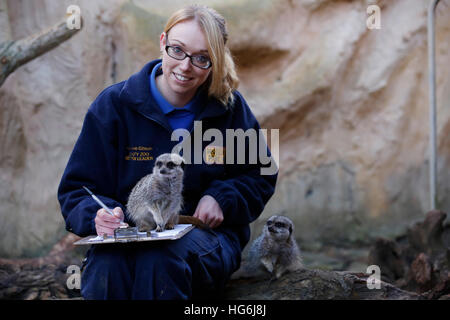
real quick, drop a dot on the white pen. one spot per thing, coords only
(101, 204)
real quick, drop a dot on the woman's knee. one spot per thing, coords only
(106, 275)
(160, 274)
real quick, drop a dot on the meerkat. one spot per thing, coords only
(156, 200)
(275, 251)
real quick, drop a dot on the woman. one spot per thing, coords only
(126, 128)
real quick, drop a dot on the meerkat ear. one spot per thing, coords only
(290, 230)
(182, 165)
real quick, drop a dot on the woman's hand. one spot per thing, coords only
(106, 223)
(209, 211)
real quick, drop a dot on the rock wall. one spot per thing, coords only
(351, 105)
(354, 146)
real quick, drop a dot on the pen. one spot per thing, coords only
(99, 201)
(102, 204)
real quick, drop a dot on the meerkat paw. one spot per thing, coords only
(279, 273)
(267, 264)
(144, 228)
(170, 226)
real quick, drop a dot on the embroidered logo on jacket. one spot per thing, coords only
(139, 154)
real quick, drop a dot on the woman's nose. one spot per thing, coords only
(185, 64)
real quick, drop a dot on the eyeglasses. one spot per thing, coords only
(198, 60)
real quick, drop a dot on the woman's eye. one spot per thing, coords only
(177, 50)
(201, 59)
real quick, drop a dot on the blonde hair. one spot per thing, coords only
(223, 79)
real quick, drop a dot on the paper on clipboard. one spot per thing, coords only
(179, 231)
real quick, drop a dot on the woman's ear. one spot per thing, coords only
(162, 41)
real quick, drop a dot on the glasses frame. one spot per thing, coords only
(185, 55)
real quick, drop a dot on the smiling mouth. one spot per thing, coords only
(181, 77)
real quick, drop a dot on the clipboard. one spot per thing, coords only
(176, 233)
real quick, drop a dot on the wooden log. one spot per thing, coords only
(418, 261)
(40, 278)
(315, 285)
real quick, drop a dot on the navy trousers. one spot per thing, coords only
(194, 266)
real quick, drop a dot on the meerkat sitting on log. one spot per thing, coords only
(275, 251)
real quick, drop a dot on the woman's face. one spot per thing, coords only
(181, 79)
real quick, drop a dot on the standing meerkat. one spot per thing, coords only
(156, 200)
(274, 251)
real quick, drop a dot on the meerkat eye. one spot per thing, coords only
(269, 223)
(170, 165)
(280, 225)
(159, 164)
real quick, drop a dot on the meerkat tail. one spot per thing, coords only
(192, 220)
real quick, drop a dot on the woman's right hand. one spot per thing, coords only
(106, 223)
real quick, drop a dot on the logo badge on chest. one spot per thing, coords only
(214, 155)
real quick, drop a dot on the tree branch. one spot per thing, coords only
(13, 54)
